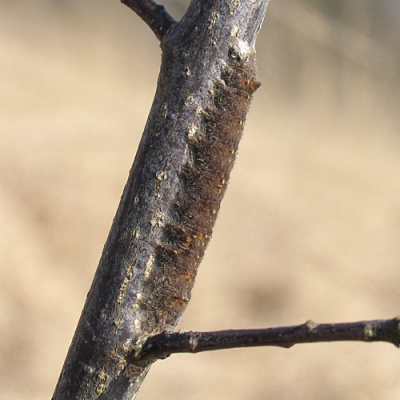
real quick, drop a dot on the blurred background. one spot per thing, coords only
(309, 228)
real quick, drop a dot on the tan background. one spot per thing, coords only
(310, 227)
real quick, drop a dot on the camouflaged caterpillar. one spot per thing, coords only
(212, 141)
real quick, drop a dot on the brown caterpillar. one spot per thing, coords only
(212, 143)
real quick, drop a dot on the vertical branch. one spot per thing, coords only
(170, 202)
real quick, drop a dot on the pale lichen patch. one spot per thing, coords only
(369, 332)
(234, 6)
(101, 387)
(164, 110)
(199, 110)
(241, 50)
(88, 369)
(189, 100)
(235, 30)
(194, 132)
(149, 267)
(136, 232)
(213, 19)
(311, 325)
(161, 175)
(124, 285)
(102, 376)
(117, 323)
(137, 324)
(158, 219)
(193, 343)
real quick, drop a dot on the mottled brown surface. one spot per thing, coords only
(309, 228)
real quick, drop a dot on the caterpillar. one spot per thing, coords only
(212, 141)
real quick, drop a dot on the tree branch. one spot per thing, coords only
(167, 343)
(171, 201)
(155, 15)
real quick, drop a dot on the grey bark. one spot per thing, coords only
(172, 197)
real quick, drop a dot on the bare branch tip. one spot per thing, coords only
(155, 15)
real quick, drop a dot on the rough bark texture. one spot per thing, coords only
(172, 197)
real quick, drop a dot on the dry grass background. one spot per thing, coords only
(310, 227)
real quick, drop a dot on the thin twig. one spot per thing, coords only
(155, 15)
(164, 344)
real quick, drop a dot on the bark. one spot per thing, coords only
(169, 205)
